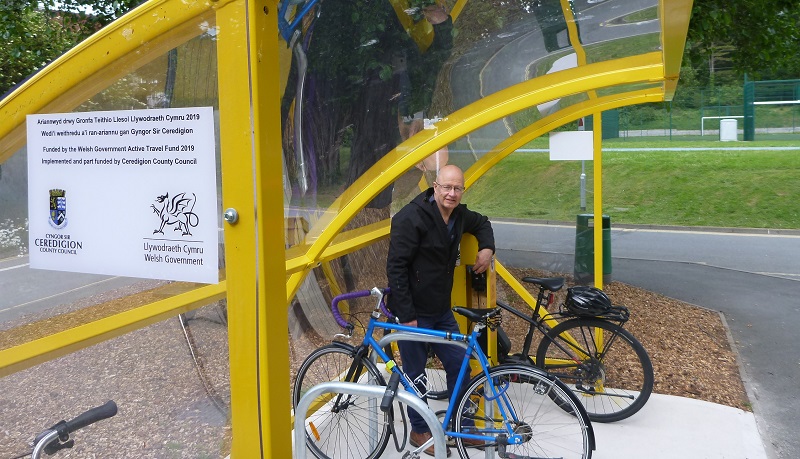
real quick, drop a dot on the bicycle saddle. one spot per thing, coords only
(553, 284)
(476, 315)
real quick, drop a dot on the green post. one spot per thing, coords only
(609, 125)
(749, 110)
(584, 249)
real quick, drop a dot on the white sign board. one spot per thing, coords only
(572, 145)
(126, 193)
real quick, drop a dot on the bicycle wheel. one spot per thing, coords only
(340, 426)
(607, 368)
(436, 376)
(534, 403)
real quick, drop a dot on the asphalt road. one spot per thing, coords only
(521, 51)
(753, 279)
(25, 290)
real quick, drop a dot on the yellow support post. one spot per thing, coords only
(464, 294)
(253, 187)
(598, 199)
(598, 212)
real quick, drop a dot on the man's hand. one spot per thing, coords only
(435, 14)
(483, 261)
(409, 129)
(413, 323)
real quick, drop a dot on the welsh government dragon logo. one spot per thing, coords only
(58, 208)
(176, 211)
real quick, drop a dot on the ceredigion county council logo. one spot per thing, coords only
(176, 211)
(58, 208)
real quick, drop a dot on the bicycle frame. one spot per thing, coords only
(546, 319)
(543, 320)
(472, 348)
(287, 28)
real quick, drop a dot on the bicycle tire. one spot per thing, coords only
(436, 376)
(356, 428)
(612, 383)
(539, 402)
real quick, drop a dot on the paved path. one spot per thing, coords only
(666, 428)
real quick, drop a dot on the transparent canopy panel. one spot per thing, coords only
(171, 379)
(183, 77)
(170, 405)
(366, 76)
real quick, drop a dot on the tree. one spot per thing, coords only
(34, 36)
(761, 37)
(31, 39)
(91, 12)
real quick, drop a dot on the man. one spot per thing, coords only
(423, 252)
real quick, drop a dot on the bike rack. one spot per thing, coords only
(367, 391)
(411, 336)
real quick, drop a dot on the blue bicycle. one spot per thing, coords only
(514, 411)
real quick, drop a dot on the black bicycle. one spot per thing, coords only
(585, 345)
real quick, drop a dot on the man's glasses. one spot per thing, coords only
(449, 188)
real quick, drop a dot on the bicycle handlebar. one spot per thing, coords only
(91, 416)
(358, 294)
(57, 437)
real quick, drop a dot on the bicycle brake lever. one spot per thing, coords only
(57, 445)
(350, 328)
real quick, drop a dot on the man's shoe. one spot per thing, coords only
(418, 439)
(470, 443)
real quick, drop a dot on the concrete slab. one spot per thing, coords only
(669, 427)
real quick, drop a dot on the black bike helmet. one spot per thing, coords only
(587, 301)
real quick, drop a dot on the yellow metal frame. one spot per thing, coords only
(248, 49)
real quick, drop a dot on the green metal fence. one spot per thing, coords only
(762, 109)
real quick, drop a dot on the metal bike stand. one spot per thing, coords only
(367, 391)
(411, 336)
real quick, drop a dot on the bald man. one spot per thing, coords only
(423, 252)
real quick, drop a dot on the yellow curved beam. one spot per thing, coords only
(547, 124)
(674, 15)
(131, 41)
(572, 31)
(644, 68)
(59, 344)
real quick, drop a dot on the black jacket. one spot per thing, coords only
(423, 255)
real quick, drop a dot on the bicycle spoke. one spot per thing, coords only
(341, 426)
(528, 400)
(614, 377)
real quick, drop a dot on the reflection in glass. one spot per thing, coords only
(365, 76)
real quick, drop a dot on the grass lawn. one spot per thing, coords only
(653, 184)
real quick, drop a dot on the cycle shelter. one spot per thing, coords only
(236, 163)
